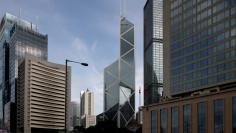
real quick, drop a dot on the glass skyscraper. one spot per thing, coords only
(200, 40)
(18, 38)
(119, 80)
(6, 24)
(153, 51)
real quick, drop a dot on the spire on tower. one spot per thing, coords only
(139, 96)
(122, 8)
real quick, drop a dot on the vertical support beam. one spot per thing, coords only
(181, 118)
(194, 115)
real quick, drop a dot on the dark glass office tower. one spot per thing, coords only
(119, 80)
(6, 24)
(200, 40)
(153, 51)
(19, 38)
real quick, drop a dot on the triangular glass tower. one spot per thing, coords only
(119, 80)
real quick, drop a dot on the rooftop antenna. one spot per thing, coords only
(37, 21)
(19, 17)
(20, 13)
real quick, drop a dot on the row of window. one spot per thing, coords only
(201, 26)
(189, 4)
(184, 51)
(203, 81)
(194, 61)
(183, 21)
(204, 72)
(204, 35)
(197, 54)
(218, 118)
(198, 65)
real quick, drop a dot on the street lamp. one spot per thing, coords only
(67, 61)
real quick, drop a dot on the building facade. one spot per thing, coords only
(41, 96)
(87, 109)
(199, 45)
(139, 116)
(207, 113)
(75, 114)
(88, 121)
(153, 51)
(87, 103)
(119, 80)
(199, 69)
(18, 37)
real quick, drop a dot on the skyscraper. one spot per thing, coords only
(199, 69)
(199, 45)
(18, 37)
(87, 109)
(87, 103)
(7, 23)
(75, 114)
(41, 96)
(153, 51)
(119, 80)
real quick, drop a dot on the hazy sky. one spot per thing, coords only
(85, 31)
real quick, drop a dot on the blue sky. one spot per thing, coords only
(85, 31)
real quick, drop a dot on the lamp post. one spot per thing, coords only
(67, 61)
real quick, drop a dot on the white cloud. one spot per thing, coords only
(94, 46)
(91, 78)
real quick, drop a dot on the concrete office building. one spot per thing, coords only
(88, 121)
(17, 38)
(119, 80)
(199, 69)
(153, 51)
(41, 96)
(87, 109)
(75, 114)
(87, 103)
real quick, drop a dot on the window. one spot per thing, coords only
(202, 117)
(234, 113)
(187, 118)
(163, 115)
(219, 116)
(154, 121)
(174, 119)
(233, 32)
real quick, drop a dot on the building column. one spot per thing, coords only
(228, 115)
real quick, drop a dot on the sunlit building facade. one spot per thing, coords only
(119, 80)
(87, 116)
(153, 51)
(43, 102)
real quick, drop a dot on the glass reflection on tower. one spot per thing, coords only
(119, 80)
